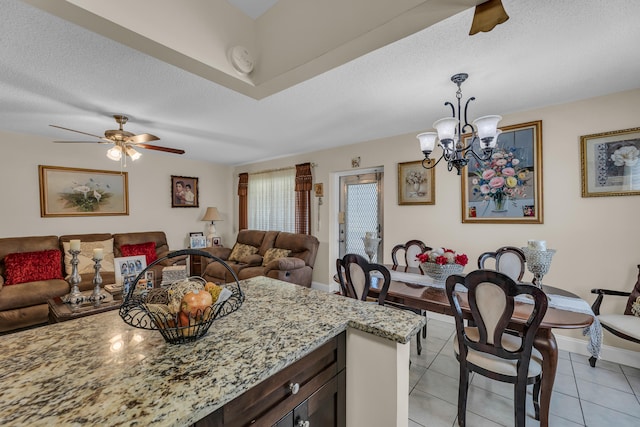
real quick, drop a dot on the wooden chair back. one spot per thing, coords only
(410, 250)
(354, 274)
(509, 260)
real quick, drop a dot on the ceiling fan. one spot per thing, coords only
(125, 143)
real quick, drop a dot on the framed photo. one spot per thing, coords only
(82, 192)
(416, 185)
(127, 269)
(184, 192)
(610, 163)
(507, 188)
(196, 233)
(216, 241)
(198, 242)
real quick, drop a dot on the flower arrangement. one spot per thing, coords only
(500, 179)
(443, 256)
(415, 177)
(86, 197)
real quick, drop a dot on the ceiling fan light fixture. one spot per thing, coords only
(115, 153)
(133, 154)
(487, 16)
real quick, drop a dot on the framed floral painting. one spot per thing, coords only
(611, 163)
(507, 188)
(82, 192)
(416, 185)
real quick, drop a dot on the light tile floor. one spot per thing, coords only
(607, 395)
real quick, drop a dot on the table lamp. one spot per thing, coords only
(211, 215)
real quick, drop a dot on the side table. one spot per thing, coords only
(61, 312)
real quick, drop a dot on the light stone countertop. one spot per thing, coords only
(98, 370)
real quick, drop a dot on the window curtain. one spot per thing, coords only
(304, 182)
(243, 184)
(271, 200)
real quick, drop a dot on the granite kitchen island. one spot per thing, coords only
(98, 370)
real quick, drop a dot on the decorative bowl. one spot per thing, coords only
(440, 272)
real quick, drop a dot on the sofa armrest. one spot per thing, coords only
(222, 253)
(171, 261)
(1, 282)
(283, 264)
(601, 293)
(254, 260)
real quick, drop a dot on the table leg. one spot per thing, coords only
(546, 344)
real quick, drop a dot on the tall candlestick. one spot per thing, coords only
(98, 253)
(74, 244)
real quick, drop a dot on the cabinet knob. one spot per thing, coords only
(302, 423)
(294, 387)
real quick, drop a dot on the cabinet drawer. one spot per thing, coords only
(266, 403)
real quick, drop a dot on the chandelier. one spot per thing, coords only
(449, 131)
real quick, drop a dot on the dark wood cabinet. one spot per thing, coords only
(310, 392)
(195, 265)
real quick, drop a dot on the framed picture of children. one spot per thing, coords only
(127, 269)
(184, 192)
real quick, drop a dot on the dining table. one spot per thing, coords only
(412, 289)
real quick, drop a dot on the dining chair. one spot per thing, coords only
(626, 325)
(354, 274)
(410, 250)
(488, 348)
(509, 260)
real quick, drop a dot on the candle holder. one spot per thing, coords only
(74, 297)
(538, 263)
(371, 246)
(97, 296)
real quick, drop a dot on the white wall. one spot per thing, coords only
(149, 191)
(596, 238)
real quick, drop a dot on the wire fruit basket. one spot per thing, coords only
(156, 309)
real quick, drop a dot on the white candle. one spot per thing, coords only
(539, 245)
(74, 244)
(98, 253)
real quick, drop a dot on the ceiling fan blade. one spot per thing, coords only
(73, 130)
(155, 147)
(80, 142)
(143, 137)
(487, 15)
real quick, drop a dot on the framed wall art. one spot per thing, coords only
(610, 163)
(82, 192)
(184, 192)
(507, 188)
(416, 185)
(197, 242)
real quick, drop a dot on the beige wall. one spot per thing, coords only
(149, 191)
(596, 238)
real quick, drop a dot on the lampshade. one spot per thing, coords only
(133, 154)
(446, 128)
(211, 215)
(427, 141)
(115, 153)
(486, 126)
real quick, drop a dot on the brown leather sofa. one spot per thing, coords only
(296, 267)
(25, 304)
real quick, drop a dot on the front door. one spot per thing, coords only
(360, 213)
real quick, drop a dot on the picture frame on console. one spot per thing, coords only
(184, 192)
(68, 192)
(610, 163)
(416, 185)
(198, 242)
(507, 188)
(127, 269)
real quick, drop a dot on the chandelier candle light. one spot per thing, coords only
(449, 133)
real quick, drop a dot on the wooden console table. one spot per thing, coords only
(61, 312)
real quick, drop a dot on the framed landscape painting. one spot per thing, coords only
(507, 188)
(82, 192)
(611, 163)
(416, 185)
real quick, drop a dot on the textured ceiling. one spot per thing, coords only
(549, 52)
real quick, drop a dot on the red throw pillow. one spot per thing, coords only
(147, 249)
(26, 267)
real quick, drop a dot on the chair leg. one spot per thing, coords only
(424, 328)
(463, 388)
(592, 361)
(520, 403)
(419, 344)
(536, 399)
